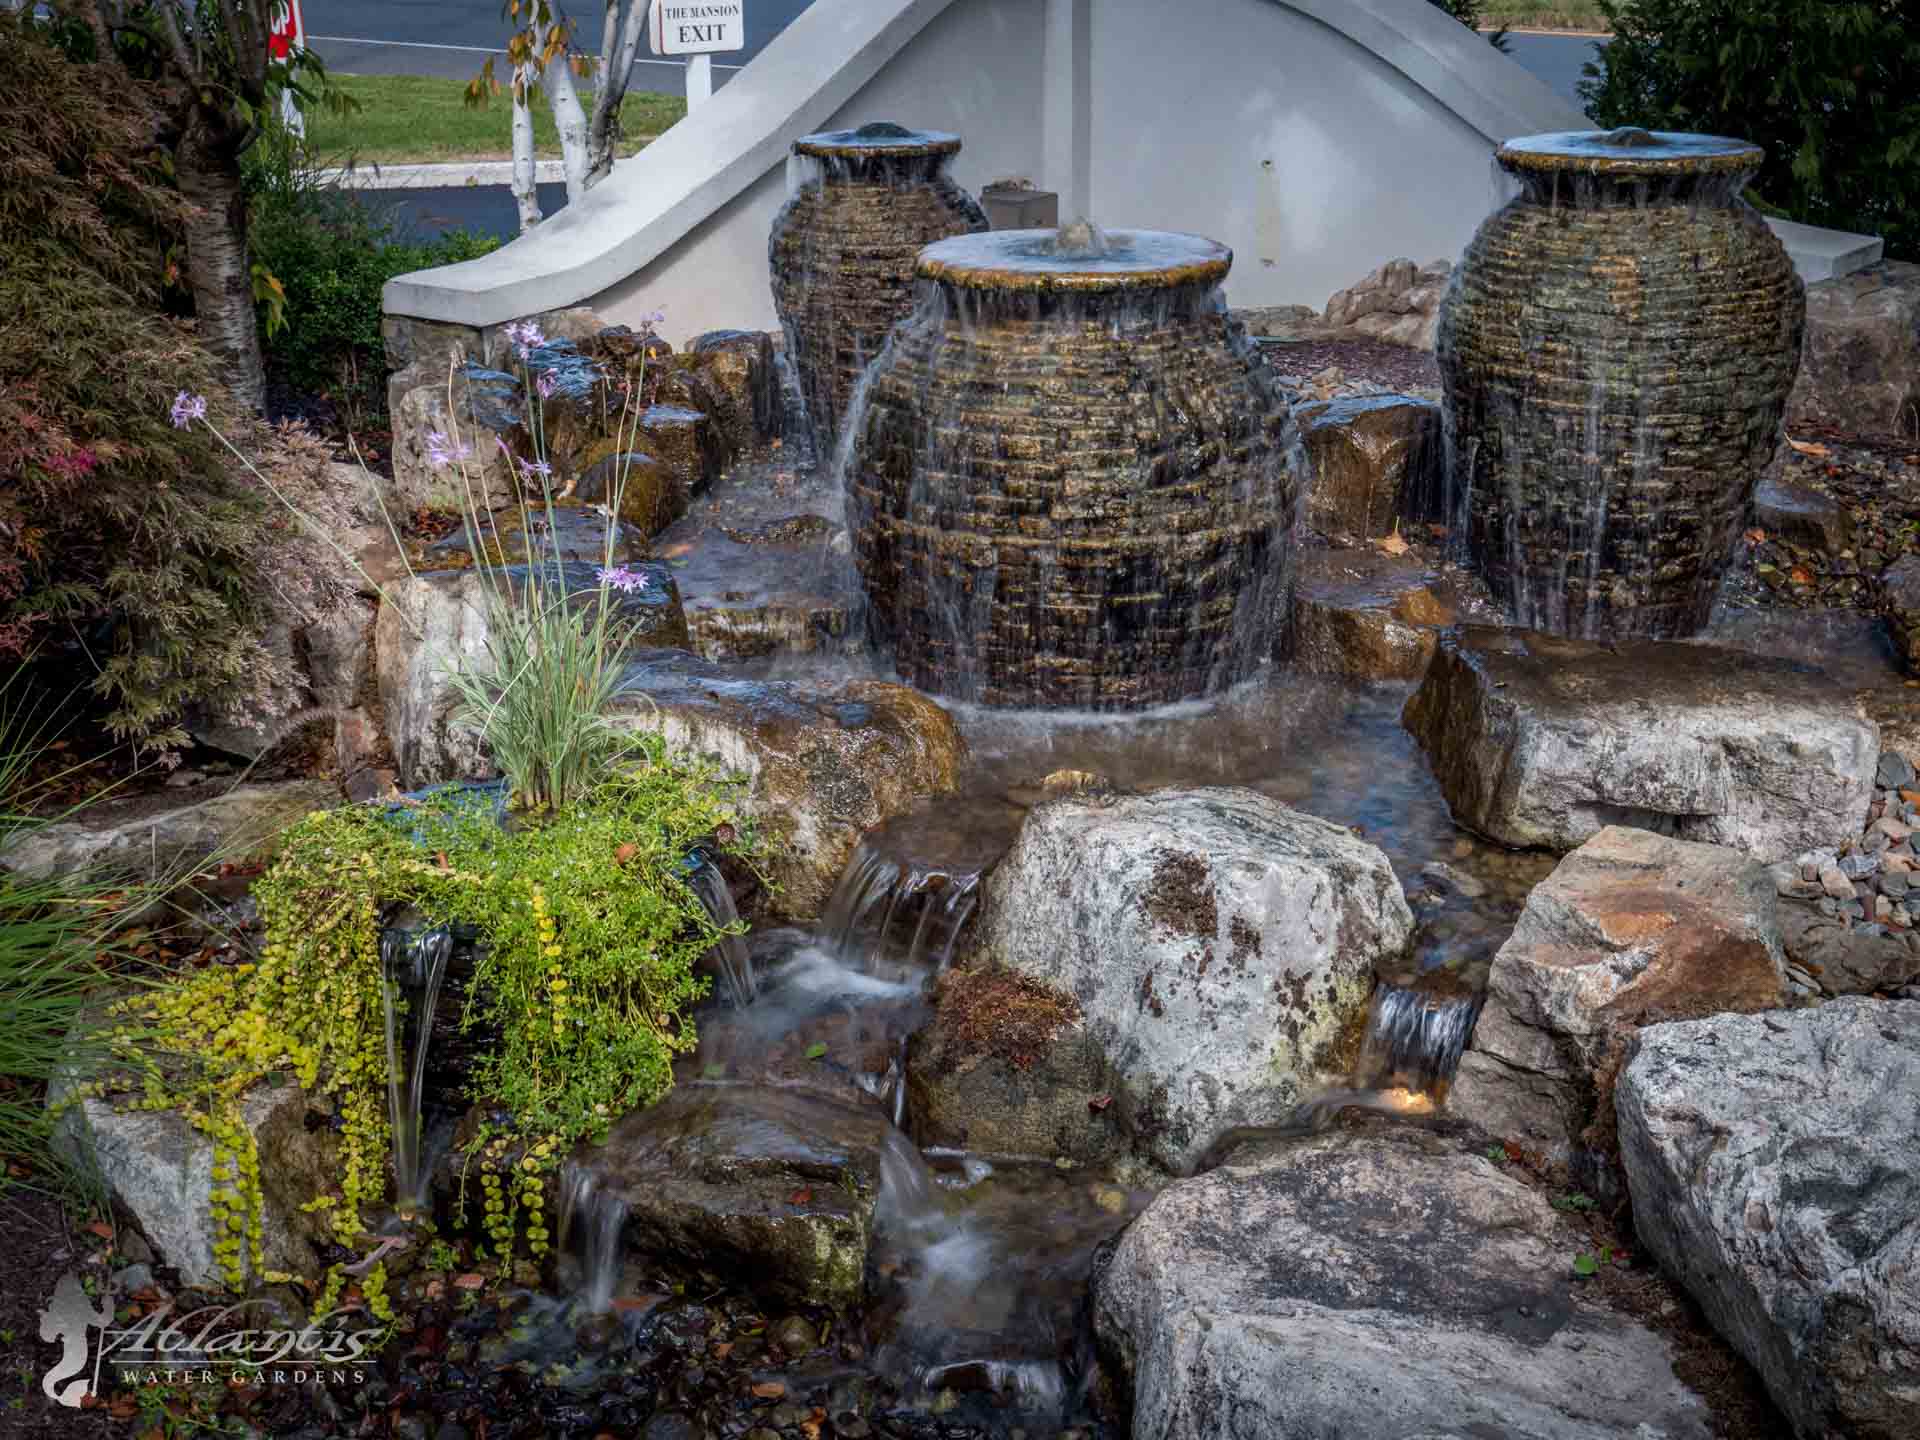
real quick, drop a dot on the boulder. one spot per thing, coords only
(1860, 370)
(1774, 1163)
(740, 364)
(1899, 602)
(1220, 946)
(1398, 303)
(573, 533)
(336, 648)
(1845, 960)
(1801, 516)
(132, 838)
(1364, 614)
(423, 351)
(1541, 741)
(1631, 929)
(478, 407)
(1366, 454)
(821, 768)
(1006, 1068)
(438, 620)
(160, 1169)
(1379, 1281)
(781, 587)
(775, 1185)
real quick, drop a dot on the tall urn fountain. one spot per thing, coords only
(1071, 482)
(864, 203)
(1616, 351)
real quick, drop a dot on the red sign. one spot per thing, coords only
(289, 31)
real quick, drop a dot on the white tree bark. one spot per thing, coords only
(626, 22)
(570, 122)
(219, 268)
(526, 191)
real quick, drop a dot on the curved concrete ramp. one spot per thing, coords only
(1318, 138)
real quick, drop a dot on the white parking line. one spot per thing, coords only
(480, 49)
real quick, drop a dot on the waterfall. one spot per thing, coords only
(891, 909)
(412, 965)
(593, 1225)
(1415, 1037)
(729, 955)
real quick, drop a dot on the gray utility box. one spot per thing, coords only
(1014, 207)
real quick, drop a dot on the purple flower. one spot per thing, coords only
(187, 408)
(442, 452)
(649, 323)
(544, 386)
(530, 468)
(526, 337)
(623, 579)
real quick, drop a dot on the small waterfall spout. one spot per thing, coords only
(890, 909)
(1415, 1037)
(593, 1227)
(729, 956)
(412, 965)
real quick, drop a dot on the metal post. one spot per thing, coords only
(699, 79)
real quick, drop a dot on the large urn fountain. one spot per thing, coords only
(864, 203)
(1617, 350)
(1072, 482)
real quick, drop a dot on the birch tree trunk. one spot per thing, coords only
(218, 267)
(569, 122)
(526, 192)
(619, 47)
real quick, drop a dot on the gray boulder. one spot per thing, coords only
(157, 1166)
(1542, 742)
(1861, 366)
(1373, 1282)
(1774, 1163)
(1631, 929)
(131, 838)
(1221, 948)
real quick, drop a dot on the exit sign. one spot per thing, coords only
(698, 27)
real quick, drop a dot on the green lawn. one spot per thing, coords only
(1543, 14)
(412, 118)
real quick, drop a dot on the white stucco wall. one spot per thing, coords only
(1318, 138)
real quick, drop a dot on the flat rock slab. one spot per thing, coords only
(153, 839)
(1369, 458)
(1774, 1163)
(780, 586)
(1631, 929)
(822, 766)
(1374, 1282)
(1221, 947)
(777, 1185)
(1542, 742)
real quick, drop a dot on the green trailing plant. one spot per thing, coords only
(589, 935)
(1826, 86)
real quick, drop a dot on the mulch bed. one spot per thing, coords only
(41, 1244)
(1394, 366)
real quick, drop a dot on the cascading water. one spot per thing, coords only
(593, 1225)
(729, 956)
(412, 966)
(1415, 1037)
(893, 912)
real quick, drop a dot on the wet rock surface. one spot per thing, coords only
(1630, 930)
(1366, 456)
(775, 1186)
(1373, 1282)
(821, 764)
(1774, 1163)
(1372, 616)
(1539, 741)
(1220, 948)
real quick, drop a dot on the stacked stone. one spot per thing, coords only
(842, 253)
(1617, 352)
(1074, 485)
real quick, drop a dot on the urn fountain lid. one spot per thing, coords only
(1630, 152)
(878, 140)
(1079, 258)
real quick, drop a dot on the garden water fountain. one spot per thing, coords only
(413, 966)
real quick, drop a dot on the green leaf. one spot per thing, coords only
(1585, 1264)
(816, 1050)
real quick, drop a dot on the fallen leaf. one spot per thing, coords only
(1100, 1102)
(441, 856)
(769, 1390)
(800, 1197)
(1800, 575)
(469, 1281)
(123, 1407)
(625, 853)
(1393, 544)
(1756, 537)
(816, 1050)
(722, 1350)
(1808, 447)
(100, 1228)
